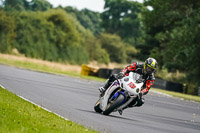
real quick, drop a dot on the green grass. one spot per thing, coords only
(20, 116)
(180, 95)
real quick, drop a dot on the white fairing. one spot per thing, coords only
(104, 99)
(128, 84)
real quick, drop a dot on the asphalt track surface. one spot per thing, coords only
(74, 98)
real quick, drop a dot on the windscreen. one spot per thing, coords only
(137, 77)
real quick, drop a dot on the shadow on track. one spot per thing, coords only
(154, 118)
(112, 116)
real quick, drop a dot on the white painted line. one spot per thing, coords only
(161, 93)
(2, 86)
(167, 95)
(42, 107)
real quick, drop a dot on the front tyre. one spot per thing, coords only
(113, 104)
(97, 108)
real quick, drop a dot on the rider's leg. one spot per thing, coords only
(140, 102)
(137, 102)
(108, 82)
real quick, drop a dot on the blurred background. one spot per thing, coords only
(120, 31)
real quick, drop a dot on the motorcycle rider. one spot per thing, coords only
(146, 70)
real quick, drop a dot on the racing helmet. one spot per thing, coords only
(150, 65)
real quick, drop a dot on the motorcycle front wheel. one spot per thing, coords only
(113, 104)
(96, 107)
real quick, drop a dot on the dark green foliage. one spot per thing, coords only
(39, 5)
(174, 35)
(93, 21)
(123, 17)
(88, 19)
(21, 5)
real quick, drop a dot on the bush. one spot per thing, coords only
(7, 34)
(118, 51)
(96, 52)
(50, 35)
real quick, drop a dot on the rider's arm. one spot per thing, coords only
(129, 68)
(147, 86)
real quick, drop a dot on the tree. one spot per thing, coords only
(20, 5)
(114, 47)
(50, 35)
(88, 19)
(40, 5)
(15, 5)
(123, 17)
(173, 31)
(118, 50)
(94, 21)
(95, 50)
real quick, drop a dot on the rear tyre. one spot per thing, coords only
(113, 104)
(97, 108)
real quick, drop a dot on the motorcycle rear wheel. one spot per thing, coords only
(113, 104)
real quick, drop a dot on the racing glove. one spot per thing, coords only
(120, 75)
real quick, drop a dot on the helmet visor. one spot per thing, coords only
(149, 69)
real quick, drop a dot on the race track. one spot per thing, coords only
(73, 98)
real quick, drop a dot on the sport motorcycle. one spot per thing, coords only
(120, 94)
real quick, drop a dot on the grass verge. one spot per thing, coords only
(180, 95)
(18, 116)
(44, 66)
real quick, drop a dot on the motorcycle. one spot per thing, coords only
(120, 94)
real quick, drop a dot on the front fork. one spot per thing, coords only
(126, 101)
(117, 94)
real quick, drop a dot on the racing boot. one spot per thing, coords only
(120, 111)
(104, 88)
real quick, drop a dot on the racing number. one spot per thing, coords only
(132, 85)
